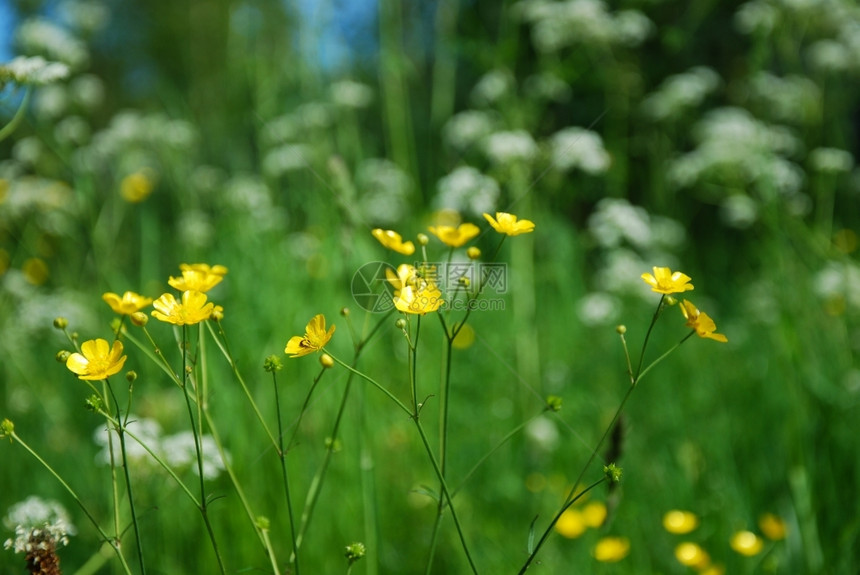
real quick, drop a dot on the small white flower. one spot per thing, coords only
(466, 190)
(513, 146)
(33, 70)
(467, 128)
(831, 160)
(579, 148)
(351, 94)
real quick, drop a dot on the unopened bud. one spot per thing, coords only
(63, 356)
(344, 311)
(139, 318)
(621, 329)
(400, 323)
(130, 376)
(61, 323)
(553, 403)
(354, 552)
(217, 313)
(423, 239)
(326, 361)
(272, 364)
(473, 253)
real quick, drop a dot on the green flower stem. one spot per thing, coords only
(375, 384)
(568, 502)
(282, 455)
(7, 130)
(154, 354)
(210, 424)
(195, 431)
(113, 542)
(648, 335)
(223, 346)
(125, 465)
(267, 543)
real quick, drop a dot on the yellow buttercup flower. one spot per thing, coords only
(594, 514)
(137, 186)
(701, 322)
(692, 555)
(772, 526)
(128, 304)
(746, 543)
(198, 277)
(505, 223)
(666, 281)
(571, 524)
(97, 360)
(424, 299)
(393, 241)
(315, 338)
(611, 549)
(406, 275)
(193, 308)
(455, 237)
(680, 522)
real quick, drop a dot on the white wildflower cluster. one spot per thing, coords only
(831, 160)
(467, 190)
(506, 147)
(286, 158)
(247, 195)
(39, 37)
(492, 87)
(681, 93)
(384, 191)
(351, 94)
(547, 86)
(791, 99)
(577, 148)
(34, 520)
(740, 152)
(557, 25)
(627, 237)
(177, 450)
(466, 129)
(33, 70)
(85, 16)
(838, 283)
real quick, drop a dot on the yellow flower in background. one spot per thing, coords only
(97, 360)
(692, 555)
(611, 549)
(315, 338)
(35, 271)
(424, 299)
(680, 522)
(701, 322)
(406, 275)
(666, 281)
(746, 543)
(594, 514)
(713, 570)
(571, 524)
(136, 187)
(393, 241)
(129, 303)
(455, 237)
(772, 527)
(505, 223)
(193, 308)
(198, 277)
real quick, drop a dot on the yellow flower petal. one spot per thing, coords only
(611, 549)
(746, 543)
(666, 281)
(772, 527)
(455, 237)
(505, 223)
(692, 555)
(571, 524)
(97, 360)
(316, 337)
(701, 322)
(680, 522)
(128, 304)
(392, 240)
(192, 310)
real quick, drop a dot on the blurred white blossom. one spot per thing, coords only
(33, 70)
(351, 94)
(547, 86)
(180, 453)
(512, 146)
(791, 99)
(286, 158)
(35, 511)
(577, 148)
(492, 87)
(831, 160)
(147, 431)
(384, 190)
(757, 16)
(839, 282)
(616, 221)
(598, 308)
(739, 211)
(680, 93)
(467, 190)
(39, 37)
(465, 129)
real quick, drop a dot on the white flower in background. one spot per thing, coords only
(351, 94)
(631, 28)
(35, 511)
(39, 37)
(492, 87)
(465, 129)
(33, 70)
(87, 91)
(286, 158)
(757, 16)
(542, 433)
(615, 221)
(792, 99)
(839, 282)
(147, 431)
(181, 453)
(739, 211)
(598, 308)
(72, 131)
(829, 56)
(513, 146)
(547, 87)
(579, 148)
(282, 129)
(467, 190)
(315, 115)
(87, 16)
(831, 160)
(28, 150)
(681, 93)
(384, 191)
(195, 229)
(50, 102)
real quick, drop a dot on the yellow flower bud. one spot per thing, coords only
(326, 361)
(473, 253)
(61, 323)
(423, 239)
(139, 318)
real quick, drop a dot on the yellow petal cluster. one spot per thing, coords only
(505, 223)
(137, 186)
(392, 240)
(746, 543)
(692, 555)
(611, 549)
(193, 308)
(423, 299)
(315, 338)
(406, 275)
(455, 237)
(198, 277)
(701, 322)
(667, 282)
(97, 359)
(772, 527)
(680, 522)
(126, 304)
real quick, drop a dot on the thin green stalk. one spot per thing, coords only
(648, 335)
(195, 431)
(7, 130)
(282, 455)
(113, 543)
(375, 384)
